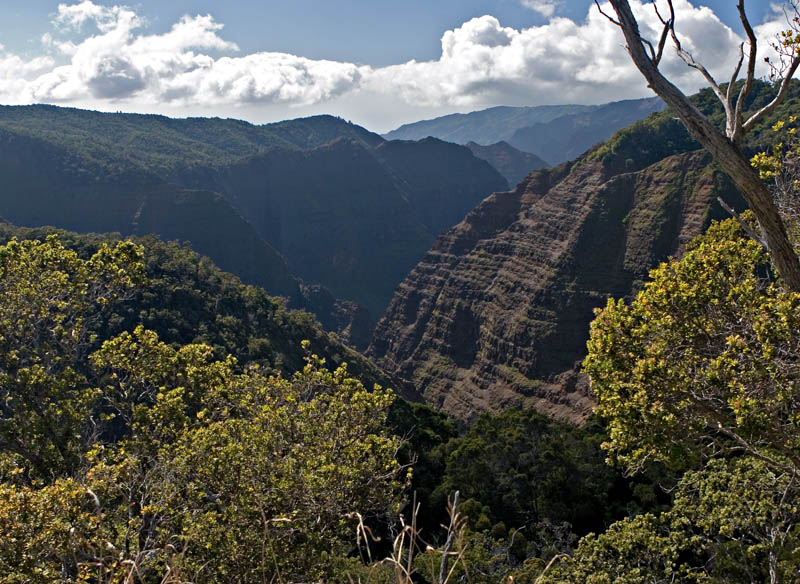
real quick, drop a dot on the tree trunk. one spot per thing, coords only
(724, 152)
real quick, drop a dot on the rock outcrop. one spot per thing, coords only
(496, 315)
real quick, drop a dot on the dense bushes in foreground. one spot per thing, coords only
(125, 458)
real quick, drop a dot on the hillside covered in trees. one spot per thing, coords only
(309, 202)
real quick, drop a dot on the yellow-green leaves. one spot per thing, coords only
(702, 361)
(50, 297)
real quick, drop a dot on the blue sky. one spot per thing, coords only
(378, 63)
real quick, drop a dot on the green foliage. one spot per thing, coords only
(700, 372)
(110, 142)
(188, 299)
(139, 458)
(734, 521)
(232, 476)
(644, 143)
(638, 550)
(779, 165)
(524, 469)
(426, 433)
(702, 361)
(50, 300)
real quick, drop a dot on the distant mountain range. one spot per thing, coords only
(315, 201)
(553, 133)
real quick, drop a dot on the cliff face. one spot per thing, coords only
(496, 314)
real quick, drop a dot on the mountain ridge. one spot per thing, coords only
(553, 133)
(318, 198)
(496, 315)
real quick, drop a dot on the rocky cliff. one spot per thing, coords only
(496, 314)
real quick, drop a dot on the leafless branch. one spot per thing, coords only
(735, 75)
(738, 127)
(451, 533)
(691, 61)
(669, 23)
(608, 16)
(787, 72)
(742, 222)
(767, 109)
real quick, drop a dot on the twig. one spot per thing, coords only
(451, 531)
(742, 223)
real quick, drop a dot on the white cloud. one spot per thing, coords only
(108, 58)
(120, 64)
(557, 62)
(544, 7)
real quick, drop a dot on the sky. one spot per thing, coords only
(376, 63)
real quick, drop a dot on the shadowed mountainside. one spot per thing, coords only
(187, 299)
(317, 198)
(569, 136)
(553, 133)
(487, 126)
(513, 164)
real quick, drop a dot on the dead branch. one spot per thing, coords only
(722, 147)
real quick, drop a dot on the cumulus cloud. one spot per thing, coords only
(544, 7)
(104, 54)
(117, 62)
(560, 61)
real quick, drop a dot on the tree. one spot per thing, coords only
(703, 362)
(50, 299)
(220, 476)
(134, 460)
(526, 469)
(780, 166)
(735, 521)
(724, 147)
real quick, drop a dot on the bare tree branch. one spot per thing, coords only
(767, 109)
(735, 75)
(742, 223)
(723, 149)
(688, 58)
(668, 26)
(739, 129)
(608, 16)
(785, 49)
